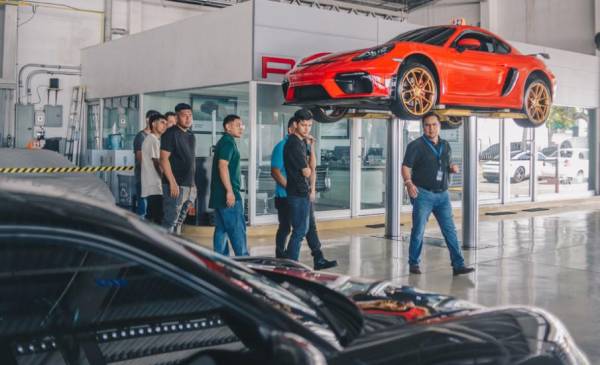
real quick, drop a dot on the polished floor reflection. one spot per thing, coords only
(548, 261)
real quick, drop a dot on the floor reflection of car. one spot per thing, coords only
(89, 283)
(573, 165)
(519, 167)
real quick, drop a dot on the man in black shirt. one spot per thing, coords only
(425, 171)
(297, 188)
(178, 161)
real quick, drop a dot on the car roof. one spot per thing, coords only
(29, 203)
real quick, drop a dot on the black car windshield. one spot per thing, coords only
(261, 287)
(436, 36)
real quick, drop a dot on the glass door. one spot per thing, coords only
(373, 152)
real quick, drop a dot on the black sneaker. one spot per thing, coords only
(462, 270)
(415, 269)
(322, 263)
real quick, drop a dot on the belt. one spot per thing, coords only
(437, 191)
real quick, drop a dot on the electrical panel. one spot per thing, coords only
(40, 118)
(25, 115)
(54, 115)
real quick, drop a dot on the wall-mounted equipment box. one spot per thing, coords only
(25, 118)
(54, 115)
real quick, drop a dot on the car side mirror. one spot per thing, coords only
(468, 44)
(289, 348)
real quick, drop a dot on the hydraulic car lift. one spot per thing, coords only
(394, 185)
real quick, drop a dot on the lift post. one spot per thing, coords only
(470, 197)
(393, 181)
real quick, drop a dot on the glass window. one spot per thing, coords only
(501, 47)
(333, 165)
(455, 138)
(373, 157)
(272, 121)
(209, 106)
(333, 153)
(519, 166)
(566, 131)
(488, 143)
(120, 122)
(430, 35)
(93, 126)
(487, 43)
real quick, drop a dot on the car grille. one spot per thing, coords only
(311, 92)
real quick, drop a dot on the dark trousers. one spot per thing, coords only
(285, 226)
(154, 211)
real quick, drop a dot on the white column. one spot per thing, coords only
(489, 15)
(356, 144)
(134, 15)
(251, 183)
(470, 200)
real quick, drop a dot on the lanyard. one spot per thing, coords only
(436, 152)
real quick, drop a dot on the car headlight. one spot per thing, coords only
(374, 52)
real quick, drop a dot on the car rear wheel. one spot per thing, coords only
(328, 114)
(536, 104)
(519, 175)
(416, 91)
(452, 123)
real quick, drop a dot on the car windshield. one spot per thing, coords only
(265, 289)
(431, 35)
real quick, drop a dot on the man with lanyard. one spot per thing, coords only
(283, 212)
(425, 171)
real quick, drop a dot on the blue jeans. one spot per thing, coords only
(141, 204)
(424, 204)
(312, 237)
(230, 222)
(299, 217)
(173, 207)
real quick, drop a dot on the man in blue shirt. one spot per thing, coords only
(283, 213)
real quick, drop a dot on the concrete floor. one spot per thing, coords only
(550, 261)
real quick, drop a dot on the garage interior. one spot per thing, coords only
(81, 75)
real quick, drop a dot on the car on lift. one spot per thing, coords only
(518, 168)
(89, 283)
(425, 69)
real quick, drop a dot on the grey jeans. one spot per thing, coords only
(175, 209)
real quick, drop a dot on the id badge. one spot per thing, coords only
(440, 175)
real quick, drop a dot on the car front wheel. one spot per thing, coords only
(416, 91)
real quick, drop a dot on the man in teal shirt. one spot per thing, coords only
(225, 197)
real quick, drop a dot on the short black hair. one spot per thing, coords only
(170, 114)
(303, 114)
(230, 118)
(429, 115)
(154, 117)
(292, 120)
(150, 112)
(182, 106)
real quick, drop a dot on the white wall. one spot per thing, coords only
(443, 12)
(208, 49)
(278, 33)
(560, 24)
(568, 25)
(57, 35)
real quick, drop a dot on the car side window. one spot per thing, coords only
(54, 293)
(501, 47)
(487, 43)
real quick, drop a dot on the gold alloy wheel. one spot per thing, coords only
(418, 91)
(537, 102)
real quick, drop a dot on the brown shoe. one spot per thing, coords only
(415, 269)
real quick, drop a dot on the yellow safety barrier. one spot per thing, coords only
(62, 170)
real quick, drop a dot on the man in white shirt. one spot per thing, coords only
(151, 172)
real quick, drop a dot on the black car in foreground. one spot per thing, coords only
(88, 283)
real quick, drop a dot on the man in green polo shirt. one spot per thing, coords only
(225, 197)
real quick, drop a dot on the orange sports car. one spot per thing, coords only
(422, 70)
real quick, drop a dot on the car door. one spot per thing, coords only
(66, 303)
(473, 76)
